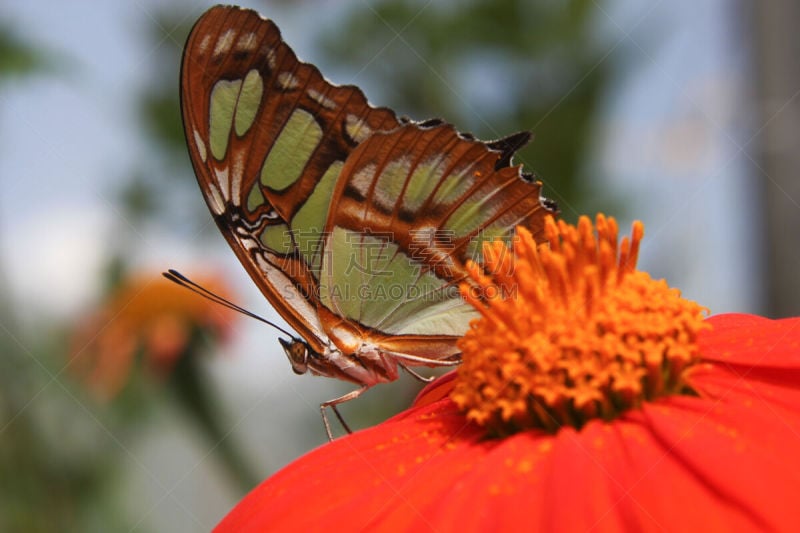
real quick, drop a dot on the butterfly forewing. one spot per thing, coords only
(267, 137)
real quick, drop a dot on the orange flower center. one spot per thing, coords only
(570, 331)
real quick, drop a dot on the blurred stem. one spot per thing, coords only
(197, 398)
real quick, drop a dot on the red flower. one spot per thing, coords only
(705, 439)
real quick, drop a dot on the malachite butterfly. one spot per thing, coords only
(354, 223)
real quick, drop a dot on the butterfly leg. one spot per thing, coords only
(332, 404)
(415, 374)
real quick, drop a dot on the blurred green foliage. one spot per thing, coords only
(18, 58)
(57, 468)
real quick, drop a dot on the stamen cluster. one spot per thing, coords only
(571, 331)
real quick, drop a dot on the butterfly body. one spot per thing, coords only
(355, 224)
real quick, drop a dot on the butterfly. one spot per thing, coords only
(356, 224)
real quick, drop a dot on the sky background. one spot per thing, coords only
(674, 146)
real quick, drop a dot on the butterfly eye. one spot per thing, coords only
(297, 352)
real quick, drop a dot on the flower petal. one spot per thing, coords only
(726, 460)
(676, 464)
(752, 341)
(753, 362)
(724, 468)
(365, 477)
(436, 390)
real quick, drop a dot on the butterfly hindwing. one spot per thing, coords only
(412, 206)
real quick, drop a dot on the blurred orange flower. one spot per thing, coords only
(148, 315)
(593, 399)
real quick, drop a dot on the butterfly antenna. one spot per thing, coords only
(178, 278)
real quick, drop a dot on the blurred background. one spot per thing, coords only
(129, 404)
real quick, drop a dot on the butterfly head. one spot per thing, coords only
(298, 352)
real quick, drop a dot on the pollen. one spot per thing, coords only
(570, 331)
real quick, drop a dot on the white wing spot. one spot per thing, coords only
(224, 43)
(222, 180)
(250, 244)
(287, 81)
(216, 203)
(271, 58)
(321, 99)
(238, 175)
(357, 128)
(201, 146)
(204, 43)
(247, 42)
